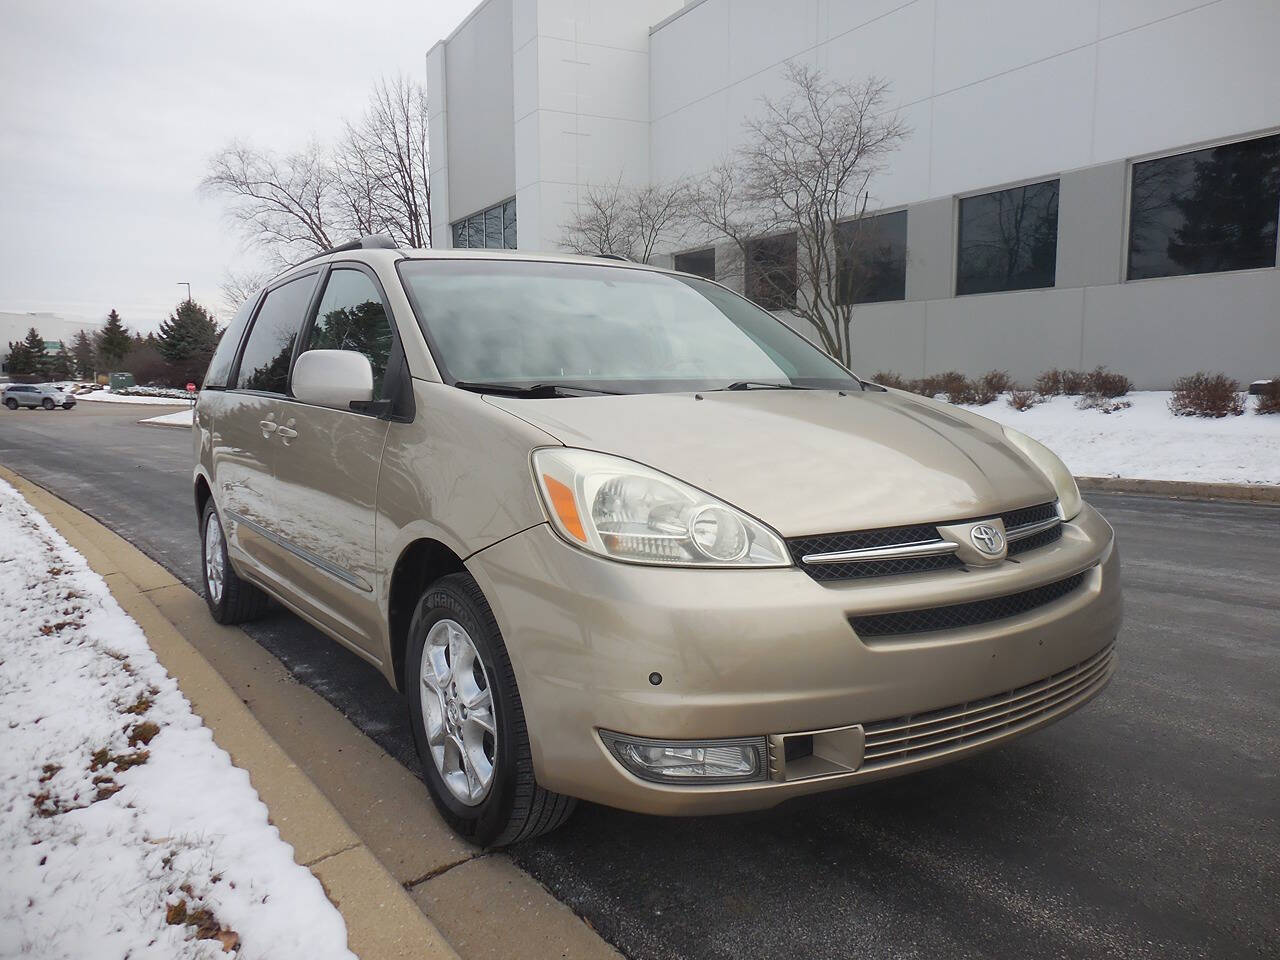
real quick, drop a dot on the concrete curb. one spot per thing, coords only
(382, 918)
(166, 426)
(1184, 490)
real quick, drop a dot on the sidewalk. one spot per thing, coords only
(405, 884)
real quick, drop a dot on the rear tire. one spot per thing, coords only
(510, 806)
(230, 599)
(11, 403)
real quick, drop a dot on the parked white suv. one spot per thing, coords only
(34, 395)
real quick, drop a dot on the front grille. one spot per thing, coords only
(921, 735)
(880, 568)
(1041, 539)
(1037, 514)
(800, 547)
(968, 614)
(860, 540)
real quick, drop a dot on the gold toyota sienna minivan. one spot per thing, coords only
(618, 534)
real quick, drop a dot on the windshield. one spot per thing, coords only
(610, 328)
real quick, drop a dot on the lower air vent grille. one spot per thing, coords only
(963, 614)
(920, 735)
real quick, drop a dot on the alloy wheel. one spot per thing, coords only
(214, 559)
(457, 710)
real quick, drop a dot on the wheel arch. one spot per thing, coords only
(421, 563)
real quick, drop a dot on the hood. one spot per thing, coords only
(807, 461)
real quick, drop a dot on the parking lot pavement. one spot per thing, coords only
(1145, 825)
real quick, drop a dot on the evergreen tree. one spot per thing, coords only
(37, 357)
(82, 351)
(187, 340)
(114, 342)
(62, 366)
(19, 362)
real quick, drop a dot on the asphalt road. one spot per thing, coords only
(1145, 825)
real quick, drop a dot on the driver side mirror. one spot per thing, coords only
(333, 378)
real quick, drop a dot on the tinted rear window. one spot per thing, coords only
(224, 357)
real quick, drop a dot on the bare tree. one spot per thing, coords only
(631, 222)
(376, 179)
(239, 285)
(383, 165)
(785, 200)
(282, 204)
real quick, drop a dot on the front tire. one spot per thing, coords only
(468, 722)
(47, 403)
(230, 599)
(67, 406)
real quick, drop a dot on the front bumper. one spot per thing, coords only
(772, 653)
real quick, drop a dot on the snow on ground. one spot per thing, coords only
(1148, 442)
(118, 812)
(180, 419)
(106, 396)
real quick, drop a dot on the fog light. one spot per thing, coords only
(690, 761)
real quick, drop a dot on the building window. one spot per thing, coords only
(701, 263)
(771, 272)
(1008, 239)
(494, 229)
(872, 257)
(1205, 211)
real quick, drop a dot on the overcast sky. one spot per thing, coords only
(110, 110)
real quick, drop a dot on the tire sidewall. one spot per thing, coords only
(485, 821)
(47, 404)
(11, 403)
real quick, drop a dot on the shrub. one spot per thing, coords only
(1094, 401)
(1269, 398)
(1024, 399)
(1102, 383)
(1049, 383)
(1206, 395)
(929, 386)
(981, 393)
(1074, 382)
(957, 387)
(996, 382)
(887, 378)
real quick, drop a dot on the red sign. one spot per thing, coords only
(191, 388)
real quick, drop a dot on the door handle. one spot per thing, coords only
(268, 427)
(286, 431)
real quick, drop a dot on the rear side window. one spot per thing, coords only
(352, 317)
(265, 364)
(224, 357)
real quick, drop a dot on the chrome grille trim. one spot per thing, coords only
(915, 737)
(921, 548)
(1014, 534)
(918, 548)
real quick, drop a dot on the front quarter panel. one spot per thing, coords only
(458, 474)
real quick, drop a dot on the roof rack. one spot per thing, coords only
(612, 256)
(377, 241)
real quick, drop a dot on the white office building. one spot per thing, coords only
(1142, 137)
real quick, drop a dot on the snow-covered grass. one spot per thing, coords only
(125, 831)
(106, 396)
(181, 418)
(1145, 441)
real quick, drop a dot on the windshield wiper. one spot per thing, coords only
(535, 390)
(762, 385)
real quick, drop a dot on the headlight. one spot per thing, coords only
(1047, 462)
(627, 511)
